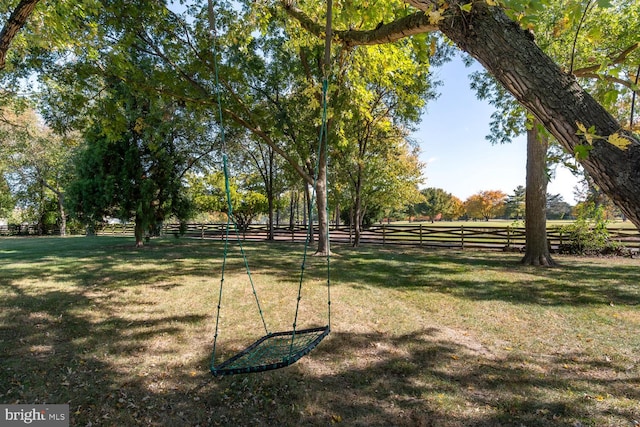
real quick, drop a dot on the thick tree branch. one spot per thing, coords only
(407, 26)
(16, 21)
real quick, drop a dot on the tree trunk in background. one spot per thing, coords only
(321, 199)
(292, 211)
(139, 232)
(307, 220)
(357, 207)
(357, 221)
(63, 215)
(537, 249)
(270, 192)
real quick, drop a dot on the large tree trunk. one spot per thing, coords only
(551, 95)
(537, 249)
(15, 22)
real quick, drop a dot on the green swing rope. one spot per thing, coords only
(278, 349)
(231, 223)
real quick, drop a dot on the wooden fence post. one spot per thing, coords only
(462, 236)
(420, 234)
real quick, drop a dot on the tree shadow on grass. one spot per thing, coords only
(54, 351)
(78, 347)
(422, 380)
(487, 276)
(101, 261)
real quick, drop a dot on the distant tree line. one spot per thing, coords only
(438, 205)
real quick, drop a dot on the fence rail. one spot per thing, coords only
(417, 234)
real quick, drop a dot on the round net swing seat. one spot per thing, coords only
(272, 351)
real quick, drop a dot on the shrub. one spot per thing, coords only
(589, 234)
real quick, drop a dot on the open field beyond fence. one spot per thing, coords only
(420, 336)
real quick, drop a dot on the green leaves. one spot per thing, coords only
(581, 151)
(466, 7)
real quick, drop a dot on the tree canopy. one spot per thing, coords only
(267, 74)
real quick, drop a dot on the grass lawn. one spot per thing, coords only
(419, 337)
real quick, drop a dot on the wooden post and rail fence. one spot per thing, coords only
(413, 234)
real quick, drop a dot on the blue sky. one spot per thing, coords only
(459, 158)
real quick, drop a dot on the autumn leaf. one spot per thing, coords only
(587, 133)
(492, 2)
(435, 16)
(619, 141)
(139, 125)
(466, 7)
